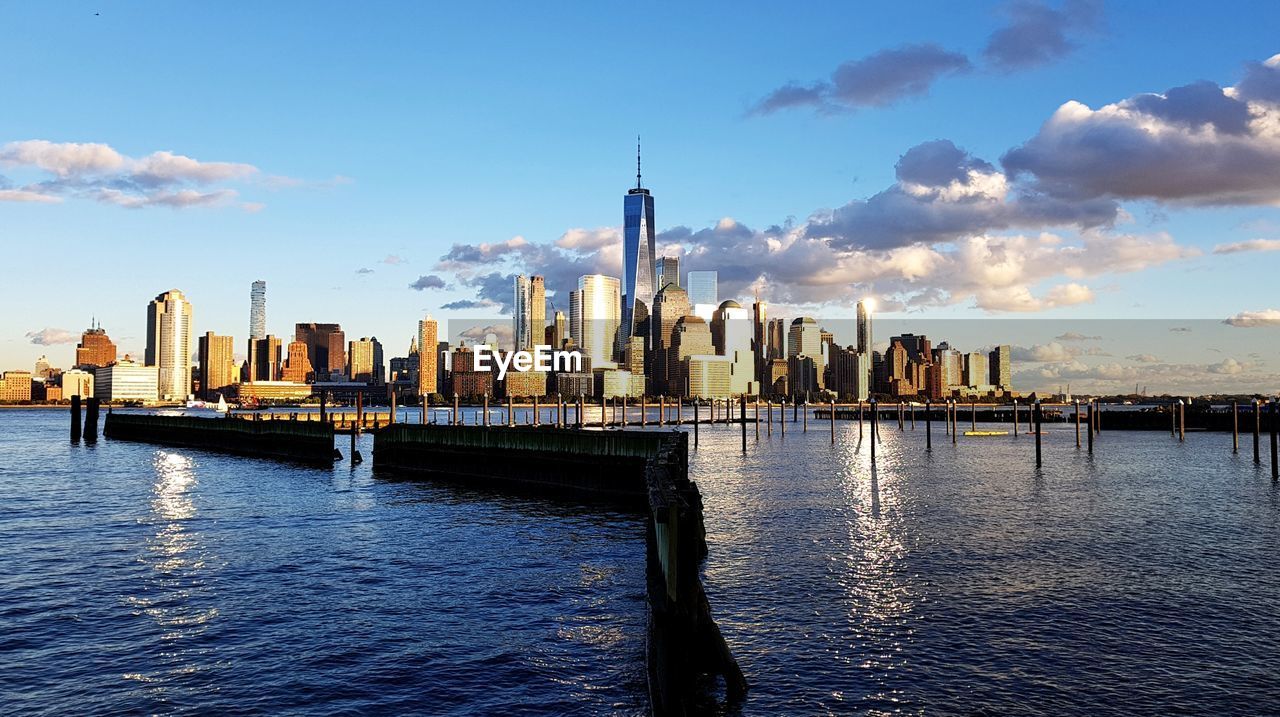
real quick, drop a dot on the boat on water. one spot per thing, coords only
(222, 404)
(986, 433)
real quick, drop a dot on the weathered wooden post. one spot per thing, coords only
(782, 418)
(679, 411)
(928, 425)
(1097, 418)
(1182, 421)
(75, 418)
(742, 414)
(536, 417)
(1015, 418)
(697, 410)
(359, 411)
(1257, 426)
(901, 425)
(757, 421)
(805, 413)
(973, 414)
(833, 423)
(875, 433)
(624, 409)
(91, 420)
(662, 410)
(1173, 421)
(644, 412)
(392, 396)
(511, 411)
(486, 409)
(769, 424)
(355, 454)
(859, 418)
(795, 408)
(1090, 426)
(323, 417)
(1275, 467)
(955, 420)
(1077, 423)
(1037, 414)
(1235, 426)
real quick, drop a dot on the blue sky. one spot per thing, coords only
(378, 137)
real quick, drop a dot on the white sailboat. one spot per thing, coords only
(222, 404)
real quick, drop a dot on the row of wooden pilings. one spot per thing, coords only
(88, 430)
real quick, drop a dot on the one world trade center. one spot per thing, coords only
(638, 262)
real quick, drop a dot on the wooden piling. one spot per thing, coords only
(1260, 430)
(1275, 466)
(1091, 427)
(75, 418)
(955, 420)
(782, 418)
(679, 411)
(662, 410)
(795, 409)
(392, 396)
(875, 420)
(1037, 414)
(697, 410)
(757, 421)
(536, 417)
(769, 424)
(486, 410)
(511, 411)
(90, 434)
(928, 425)
(1015, 418)
(624, 410)
(1235, 426)
(859, 419)
(455, 410)
(1173, 421)
(1077, 423)
(323, 417)
(833, 423)
(805, 413)
(742, 414)
(1182, 421)
(901, 426)
(973, 413)
(644, 412)
(913, 416)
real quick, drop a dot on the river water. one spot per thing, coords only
(1141, 579)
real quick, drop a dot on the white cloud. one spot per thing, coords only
(1253, 319)
(52, 336)
(1250, 245)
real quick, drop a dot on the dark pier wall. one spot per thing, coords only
(648, 471)
(296, 441)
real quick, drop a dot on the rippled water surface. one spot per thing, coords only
(1141, 580)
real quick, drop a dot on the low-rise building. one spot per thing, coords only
(77, 382)
(127, 380)
(272, 390)
(15, 386)
(525, 383)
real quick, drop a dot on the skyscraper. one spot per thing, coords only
(975, 369)
(428, 357)
(864, 328)
(95, 349)
(1001, 369)
(638, 269)
(776, 341)
(805, 340)
(169, 344)
(258, 310)
(298, 366)
(530, 311)
(702, 289)
(689, 337)
(731, 333)
(668, 271)
(264, 358)
(364, 361)
(218, 370)
(669, 306)
(600, 318)
(326, 348)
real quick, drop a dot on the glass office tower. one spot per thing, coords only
(637, 248)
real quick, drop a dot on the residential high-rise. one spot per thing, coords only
(975, 369)
(1001, 368)
(326, 348)
(702, 288)
(638, 270)
(218, 369)
(258, 310)
(428, 357)
(95, 349)
(264, 358)
(864, 328)
(669, 306)
(169, 344)
(668, 272)
(850, 374)
(364, 361)
(530, 311)
(599, 297)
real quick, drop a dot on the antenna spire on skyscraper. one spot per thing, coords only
(637, 161)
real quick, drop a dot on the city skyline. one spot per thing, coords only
(121, 190)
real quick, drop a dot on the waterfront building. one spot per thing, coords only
(44, 389)
(464, 380)
(917, 347)
(1000, 369)
(976, 372)
(95, 349)
(616, 383)
(127, 380)
(691, 337)
(708, 377)
(282, 391)
(668, 271)
(802, 374)
(529, 314)
(326, 348)
(896, 359)
(264, 359)
(575, 383)
(805, 339)
(526, 384)
(638, 268)
(169, 336)
(15, 386)
(951, 364)
(599, 308)
(731, 334)
(218, 369)
(669, 306)
(934, 388)
(850, 374)
(77, 382)
(258, 310)
(365, 361)
(430, 367)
